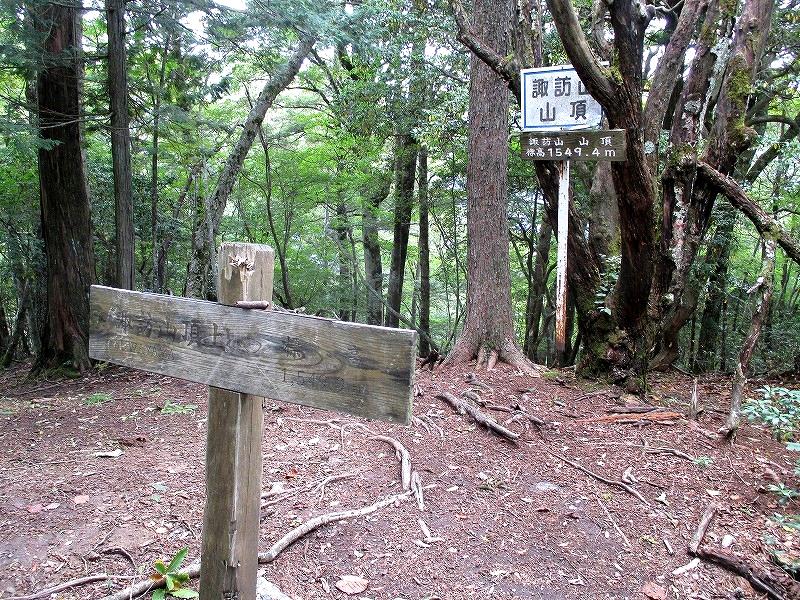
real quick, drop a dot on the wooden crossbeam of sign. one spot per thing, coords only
(357, 369)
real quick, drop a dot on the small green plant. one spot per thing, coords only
(703, 462)
(97, 398)
(779, 408)
(785, 493)
(176, 408)
(788, 522)
(174, 580)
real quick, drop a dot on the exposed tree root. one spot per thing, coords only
(317, 522)
(487, 354)
(491, 361)
(462, 407)
(619, 484)
(73, 583)
(193, 570)
(402, 455)
(775, 586)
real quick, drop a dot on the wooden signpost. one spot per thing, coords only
(246, 354)
(559, 118)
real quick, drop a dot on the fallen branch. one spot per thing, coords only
(317, 522)
(654, 416)
(64, 586)
(616, 483)
(402, 455)
(474, 396)
(462, 408)
(634, 409)
(777, 587)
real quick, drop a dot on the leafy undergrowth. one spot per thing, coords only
(115, 483)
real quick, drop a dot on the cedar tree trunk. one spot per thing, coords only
(488, 331)
(66, 225)
(120, 144)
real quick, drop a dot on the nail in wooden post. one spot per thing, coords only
(233, 454)
(561, 266)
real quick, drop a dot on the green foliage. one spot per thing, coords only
(703, 462)
(174, 579)
(779, 408)
(97, 398)
(176, 408)
(785, 493)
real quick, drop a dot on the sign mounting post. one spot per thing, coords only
(559, 123)
(244, 355)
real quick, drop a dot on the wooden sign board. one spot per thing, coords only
(362, 370)
(606, 144)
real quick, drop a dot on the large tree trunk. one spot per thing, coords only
(200, 265)
(405, 151)
(120, 144)
(66, 225)
(488, 331)
(424, 253)
(685, 193)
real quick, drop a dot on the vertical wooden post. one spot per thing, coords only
(229, 555)
(561, 265)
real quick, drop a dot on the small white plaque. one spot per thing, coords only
(555, 99)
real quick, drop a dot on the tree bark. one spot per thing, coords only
(686, 194)
(9, 350)
(405, 166)
(157, 96)
(373, 268)
(539, 282)
(424, 253)
(764, 285)
(200, 269)
(488, 331)
(66, 225)
(120, 144)
(717, 259)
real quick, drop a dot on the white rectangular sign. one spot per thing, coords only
(555, 99)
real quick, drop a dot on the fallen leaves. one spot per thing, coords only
(654, 591)
(352, 584)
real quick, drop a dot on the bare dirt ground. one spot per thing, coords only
(514, 521)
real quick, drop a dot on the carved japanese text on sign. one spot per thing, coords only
(584, 145)
(554, 98)
(355, 369)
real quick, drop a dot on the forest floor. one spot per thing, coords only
(506, 520)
